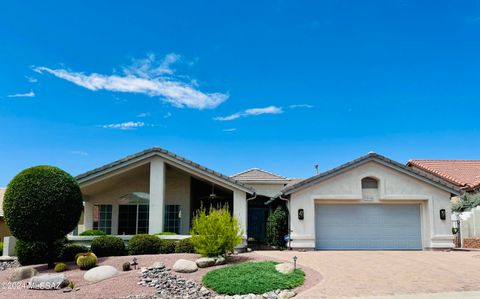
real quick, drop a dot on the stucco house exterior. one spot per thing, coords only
(369, 203)
(4, 231)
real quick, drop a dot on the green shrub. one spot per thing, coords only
(126, 266)
(251, 277)
(184, 246)
(215, 234)
(1, 246)
(42, 204)
(466, 202)
(69, 252)
(108, 246)
(167, 246)
(32, 253)
(277, 228)
(144, 244)
(93, 232)
(86, 260)
(60, 267)
(166, 234)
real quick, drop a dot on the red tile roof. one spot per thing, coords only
(463, 173)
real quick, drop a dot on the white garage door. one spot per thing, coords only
(368, 226)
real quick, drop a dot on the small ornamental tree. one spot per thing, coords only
(277, 228)
(216, 233)
(42, 204)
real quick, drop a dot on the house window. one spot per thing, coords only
(102, 218)
(172, 219)
(369, 183)
(132, 219)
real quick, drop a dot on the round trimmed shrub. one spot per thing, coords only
(32, 253)
(69, 252)
(60, 267)
(93, 232)
(167, 246)
(108, 246)
(44, 204)
(184, 246)
(144, 244)
(86, 260)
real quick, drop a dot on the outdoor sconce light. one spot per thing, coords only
(295, 262)
(443, 214)
(134, 263)
(300, 214)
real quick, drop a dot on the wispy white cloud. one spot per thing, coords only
(251, 112)
(125, 126)
(30, 94)
(149, 77)
(229, 130)
(31, 79)
(300, 106)
(81, 153)
(143, 114)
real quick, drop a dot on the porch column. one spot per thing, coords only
(157, 196)
(240, 209)
(88, 215)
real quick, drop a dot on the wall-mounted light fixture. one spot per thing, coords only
(443, 214)
(300, 214)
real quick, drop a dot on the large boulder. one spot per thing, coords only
(48, 282)
(285, 268)
(205, 262)
(220, 261)
(23, 273)
(100, 273)
(184, 266)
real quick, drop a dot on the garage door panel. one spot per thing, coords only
(372, 226)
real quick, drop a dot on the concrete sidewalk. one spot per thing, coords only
(447, 295)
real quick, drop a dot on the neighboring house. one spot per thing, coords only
(369, 203)
(4, 231)
(464, 174)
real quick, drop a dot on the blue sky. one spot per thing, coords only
(278, 85)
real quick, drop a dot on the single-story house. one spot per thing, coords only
(369, 203)
(4, 231)
(464, 174)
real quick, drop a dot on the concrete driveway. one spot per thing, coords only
(380, 273)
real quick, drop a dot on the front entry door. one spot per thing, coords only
(256, 224)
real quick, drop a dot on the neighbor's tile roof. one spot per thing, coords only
(463, 173)
(257, 174)
(2, 192)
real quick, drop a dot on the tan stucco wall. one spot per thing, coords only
(4, 231)
(394, 188)
(177, 191)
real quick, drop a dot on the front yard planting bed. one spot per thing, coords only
(251, 277)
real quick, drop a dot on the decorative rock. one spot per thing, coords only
(220, 261)
(6, 258)
(159, 265)
(100, 273)
(285, 268)
(184, 266)
(22, 273)
(270, 295)
(286, 294)
(48, 282)
(67, 290)
(205, 262)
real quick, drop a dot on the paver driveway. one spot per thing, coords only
(369, 273)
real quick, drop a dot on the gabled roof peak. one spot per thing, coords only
(257, 174)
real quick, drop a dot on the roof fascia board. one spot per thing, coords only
(146, 158)
(363, 160)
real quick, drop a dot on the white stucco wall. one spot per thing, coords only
(394, 188)
(269, 190)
